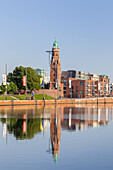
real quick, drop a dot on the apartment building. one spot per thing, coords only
(79, 84)
(74, 74)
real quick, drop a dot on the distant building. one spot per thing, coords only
(79, 84)
(44, 73)
(74, 74)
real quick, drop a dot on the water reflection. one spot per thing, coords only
(26, 123)
(55, 133)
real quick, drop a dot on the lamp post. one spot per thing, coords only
(57, 83)
(50, 53)
(26, 83)
(6, 81)
(43, 85)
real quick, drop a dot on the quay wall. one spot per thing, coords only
(86, 101)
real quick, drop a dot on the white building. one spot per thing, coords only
(43, 73)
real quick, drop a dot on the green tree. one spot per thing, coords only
(13, 87)
(15, 126)
(17, 76)
(9, 77)
(3, 89)
(8, 88)
(46, 86)
(33, 80)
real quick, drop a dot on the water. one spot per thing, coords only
(56, 138)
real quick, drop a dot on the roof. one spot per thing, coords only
(55, 157)
(55, 44)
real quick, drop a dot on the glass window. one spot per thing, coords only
(64, 88)
(65, 80)
(76, 88)
(81, 83)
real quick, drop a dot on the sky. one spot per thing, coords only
(83, 29)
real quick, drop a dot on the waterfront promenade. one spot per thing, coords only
(86, 101)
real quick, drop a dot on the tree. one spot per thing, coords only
(8, 88)
(13, 87)
(17, 76)
(33, 80)
(9, 77)
(15, 126)
(46, 86)
(3, 89)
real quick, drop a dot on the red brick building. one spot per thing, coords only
(55, 70)
(82, 85)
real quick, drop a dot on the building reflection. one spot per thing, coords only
(25, 124)
(55, 133)
(82, 118)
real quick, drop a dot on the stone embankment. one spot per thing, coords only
(86, 101)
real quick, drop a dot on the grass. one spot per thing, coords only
(4, 98)
(37, 97)
(23, 97)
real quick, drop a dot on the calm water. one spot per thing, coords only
(56, 138)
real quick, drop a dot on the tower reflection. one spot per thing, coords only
(55, 133)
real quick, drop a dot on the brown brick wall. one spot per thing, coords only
(50, 92)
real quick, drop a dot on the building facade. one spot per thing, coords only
(43, 73)
(79, 84)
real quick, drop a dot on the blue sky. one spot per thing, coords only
(83, 29)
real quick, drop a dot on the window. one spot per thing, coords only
(81, 83)
(65, 80)
(76, 89)
(64, 88)
(81, 92)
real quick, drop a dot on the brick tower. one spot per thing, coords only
(55, 68)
